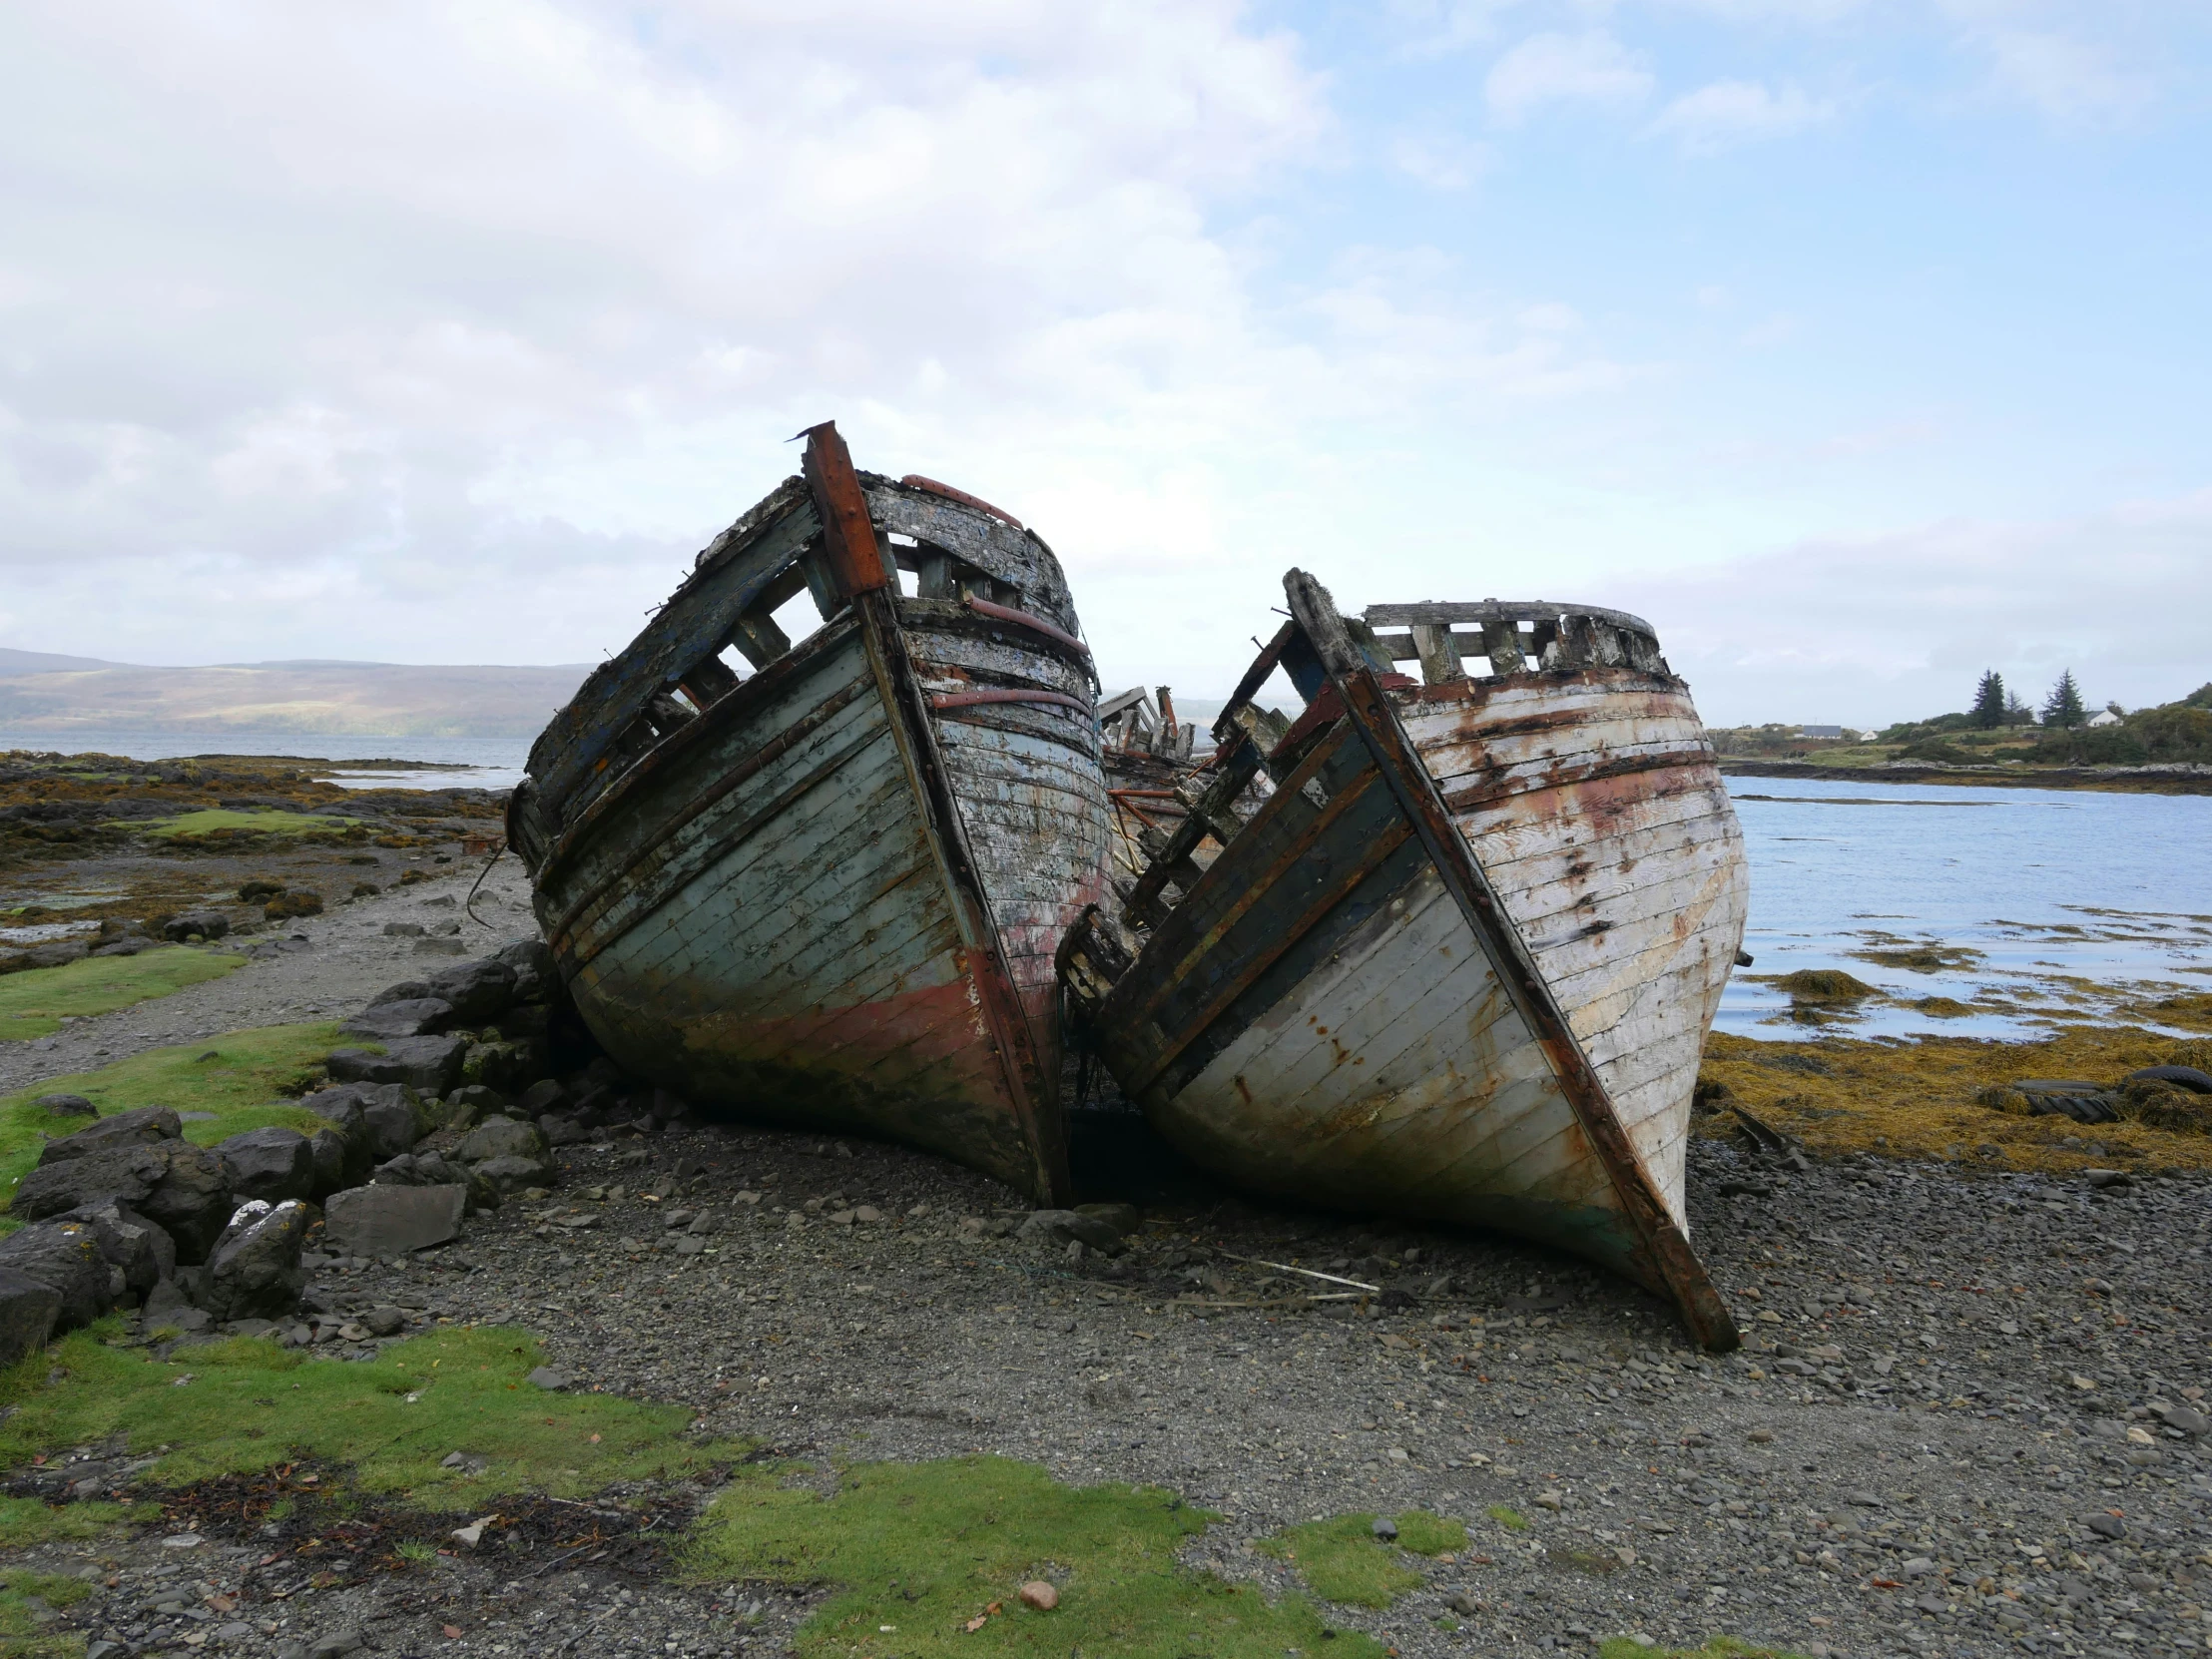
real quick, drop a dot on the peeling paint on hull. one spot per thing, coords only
(1323, 1017)
(832, 896)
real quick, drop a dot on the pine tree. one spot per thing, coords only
(1988, 699)
(2064, 706)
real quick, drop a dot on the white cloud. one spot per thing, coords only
(1442, 161)
(1727, 113)
(2069, 80)
(1896, 626)
(1587, 68)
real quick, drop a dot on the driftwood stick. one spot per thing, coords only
(1299, 1299)
(1284, 1266)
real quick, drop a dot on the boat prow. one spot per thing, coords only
(1460, 943)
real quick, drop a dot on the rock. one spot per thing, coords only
(537, 976)
(385, 1321)
(442, 947)
(180, 1187)
(286, 905)
(403, 929)
(430, 1065)
(66, 1257)
(1385, 1528)
(2188, 1419)
(386, 1220)
(480, 1099)
(271, 1164)
(510, 1175)
(546, 1378)
(501, 1066)
(1062, 1226)
(1124, 1218)
(336, 1645)
(144, 1251)
(392, 1119)
(208, 924)
(429, 1169)
(28, 1309)
(501, 1137)
(543, 1097)
(2106, 1526)
(54, 953)
(254, 1272)
(414, 1017)
(67, 1106)
(1040, 1595)
(335, 1162)
(479, 991)
(342, 1106)
(2106, 1177)
(142, 1127)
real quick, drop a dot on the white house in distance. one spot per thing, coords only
(2104, 717)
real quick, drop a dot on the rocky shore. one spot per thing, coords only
(1970, 1418)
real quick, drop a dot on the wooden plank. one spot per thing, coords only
(1440, 662)
(1495, 610)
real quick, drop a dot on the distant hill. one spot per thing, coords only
(43, 692)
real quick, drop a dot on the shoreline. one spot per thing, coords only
(2180, 780)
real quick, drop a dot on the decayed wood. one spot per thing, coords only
(1349, 1021)
(1440, 662)
(1493, 610)
(810, 892)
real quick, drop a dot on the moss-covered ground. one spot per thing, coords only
(1342, 1560)
(239, 1077)
(1918, 1099)
(929, 1559)
(34, 1002)
(248, 1404)
(25, 1600)
(209, 821)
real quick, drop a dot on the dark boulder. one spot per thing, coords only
(180, 1188)
(28, 1309)
(66, 1257)
(65, 1106)
(270, 1164)
(54, 953)
(546, 1095)
(431, 1169)
(501, 1137)
(479, 991)
(144, 1251)
(408, 990)
(392, 1120)
(254, 1272)
(142, 1127)
(505, 1066)
(412, 1017)
(562, 1131)
(511, 1174)
(192, 1199)
(337, 1162)
(536, 973)
(430, 1065)
(384, 1220)
(208, 924)
(342, 1106)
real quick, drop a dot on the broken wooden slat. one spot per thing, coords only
(1439, 661)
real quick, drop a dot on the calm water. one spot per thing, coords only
(2070, 901)
(2045, 885)
(484, 763)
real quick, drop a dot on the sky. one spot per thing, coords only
(1859, 344)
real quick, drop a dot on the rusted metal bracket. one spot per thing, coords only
(1035, 624)
(1677, 1266)
(849, 548)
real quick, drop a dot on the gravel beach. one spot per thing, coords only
(1969, 1419)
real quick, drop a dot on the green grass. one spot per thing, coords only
(1342, 1560)
(250, 1405)
(22, 1596)
(240, 1085)
(923, 1548)
(26, 1520)
(208, 819)
(1509, 1518)
(32, 1002)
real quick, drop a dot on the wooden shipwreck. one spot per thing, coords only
(829, 892)
(1461, 939)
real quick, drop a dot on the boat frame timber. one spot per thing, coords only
(1347, 686)
(618, 742)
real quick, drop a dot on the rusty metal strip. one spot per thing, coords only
(969, 700)
(762, 687)
(1373, 717)
(843, 510)
(1022, 619)
(915, 481)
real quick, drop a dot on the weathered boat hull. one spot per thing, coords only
(1350, 1008)
(832, 897)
